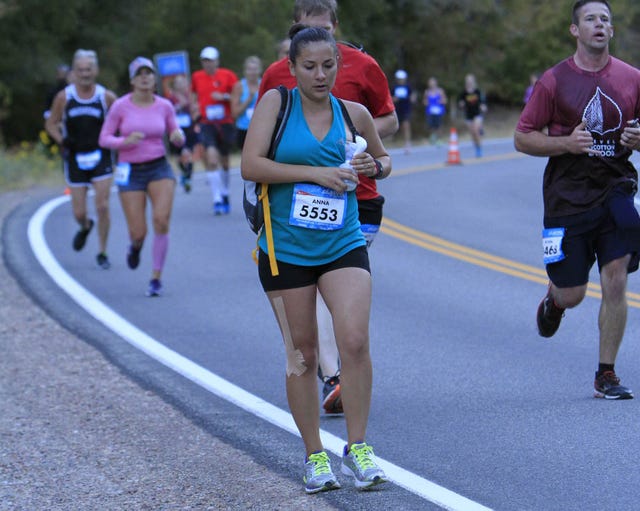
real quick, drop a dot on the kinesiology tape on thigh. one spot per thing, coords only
(295, 359)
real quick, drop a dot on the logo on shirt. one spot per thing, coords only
(89, 111)
(602, 114)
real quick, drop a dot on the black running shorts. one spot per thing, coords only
(293, 276)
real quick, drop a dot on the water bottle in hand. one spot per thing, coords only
(351, 149)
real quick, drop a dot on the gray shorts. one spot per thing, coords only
(143, 173)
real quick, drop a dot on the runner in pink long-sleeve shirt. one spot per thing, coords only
(135, 126)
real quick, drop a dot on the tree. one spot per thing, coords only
(501, 41)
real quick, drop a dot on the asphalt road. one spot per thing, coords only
(471, 408)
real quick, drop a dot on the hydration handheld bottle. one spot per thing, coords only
(351, 149)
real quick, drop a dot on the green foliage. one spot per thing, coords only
(500, 41)
(29, 164)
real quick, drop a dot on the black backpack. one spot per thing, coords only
(256, 194)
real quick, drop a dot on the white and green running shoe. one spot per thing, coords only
(318, 475)
(358, 462)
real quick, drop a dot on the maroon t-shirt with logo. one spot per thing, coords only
(562, 98)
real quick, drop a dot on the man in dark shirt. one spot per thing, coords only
(583, 115)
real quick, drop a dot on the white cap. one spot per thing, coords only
(137, 64)
(210, 53)
(401, 74)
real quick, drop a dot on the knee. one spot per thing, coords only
(355, 346)
(614, 279)
(102, 209)
(301, 360)
(568, 298)
(160, 224)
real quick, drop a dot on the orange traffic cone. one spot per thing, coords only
(453, 157)
(67, 191)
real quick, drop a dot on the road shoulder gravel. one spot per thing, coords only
(77, 433)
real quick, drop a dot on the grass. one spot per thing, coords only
(38, 163)
(30, 164)
(499, 122)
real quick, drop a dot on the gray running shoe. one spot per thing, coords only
(358, 462)
(103, 261)
(607, 386)
(318, 475)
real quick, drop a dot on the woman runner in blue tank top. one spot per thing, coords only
(318, 245)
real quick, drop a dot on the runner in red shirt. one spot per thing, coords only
(359, 79)
(212, 86)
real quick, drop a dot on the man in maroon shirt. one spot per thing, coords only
(588, 104)
(359, 79)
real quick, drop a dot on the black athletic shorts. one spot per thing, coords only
(80, 169)
(293, 276)
(606, 233)
(220, 136)
(191, 138)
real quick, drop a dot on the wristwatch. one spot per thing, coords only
(379, 169)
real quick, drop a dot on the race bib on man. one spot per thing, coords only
(401, 92)
(88, 161)
(184, 120)
(215, 112)
(317, 207)
(122, 173)
(552, 245)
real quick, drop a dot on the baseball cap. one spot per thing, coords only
(210, 53)
(401, 74)
(137, 64)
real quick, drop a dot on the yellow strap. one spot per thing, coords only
(264, 197)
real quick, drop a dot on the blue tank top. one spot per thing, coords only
(305, 246)
(242, 123)
(434, 104)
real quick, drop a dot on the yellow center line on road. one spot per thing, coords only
(482, 259)
(444, 165)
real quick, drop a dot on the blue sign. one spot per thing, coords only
(171, 64)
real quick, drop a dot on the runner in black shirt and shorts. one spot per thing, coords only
(77, 114)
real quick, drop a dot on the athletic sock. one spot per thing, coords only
(603, 368)
(225, 179)
(215, 182)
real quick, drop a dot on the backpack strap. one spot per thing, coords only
(278, 130)
(347, 118)
(281, 120)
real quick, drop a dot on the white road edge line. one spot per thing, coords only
(222, 388)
